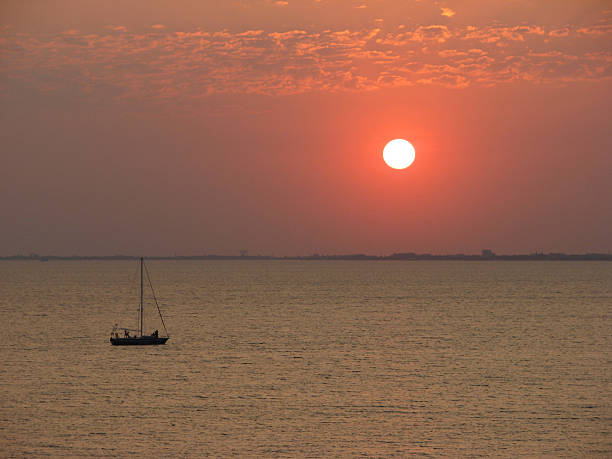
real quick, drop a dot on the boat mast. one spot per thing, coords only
(141, 263)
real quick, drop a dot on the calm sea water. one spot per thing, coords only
(309, 359)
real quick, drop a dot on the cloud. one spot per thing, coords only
(447, 12)
(116, 28)
(193, 64)
(158, 26)
(597, 30)
(439, 33)
(281, 3)
(563, 32)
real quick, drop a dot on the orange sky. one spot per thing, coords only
(210, 127)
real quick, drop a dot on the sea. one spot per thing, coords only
(288, 358)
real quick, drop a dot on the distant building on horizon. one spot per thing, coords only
(488, 253)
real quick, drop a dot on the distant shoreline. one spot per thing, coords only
(349, 257)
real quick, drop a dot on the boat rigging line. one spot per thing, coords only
(155, 298)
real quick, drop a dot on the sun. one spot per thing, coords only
(398, 154)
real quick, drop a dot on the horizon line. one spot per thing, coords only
(485, 254)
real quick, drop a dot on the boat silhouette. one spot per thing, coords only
(121, 336)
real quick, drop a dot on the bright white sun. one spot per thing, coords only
(398, 154)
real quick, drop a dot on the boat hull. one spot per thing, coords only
(139, 341)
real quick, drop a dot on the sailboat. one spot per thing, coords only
(122, 337)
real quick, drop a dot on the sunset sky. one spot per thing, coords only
(190, 127)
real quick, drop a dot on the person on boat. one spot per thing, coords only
(155, 334)
(127, 333)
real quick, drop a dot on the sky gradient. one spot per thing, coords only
(196, 127)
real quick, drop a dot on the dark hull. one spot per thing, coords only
(141, 341)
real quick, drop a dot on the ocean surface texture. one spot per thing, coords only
(308, 359)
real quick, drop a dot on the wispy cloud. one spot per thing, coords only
(447, 12)
(117, 28)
